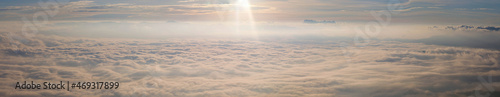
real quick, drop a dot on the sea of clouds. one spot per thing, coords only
(232, 67)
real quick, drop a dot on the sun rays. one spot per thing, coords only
(240, 16)
(244, 18)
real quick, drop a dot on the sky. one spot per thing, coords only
(248, 48)
(408, 20)
(414, 11)
(410, 11)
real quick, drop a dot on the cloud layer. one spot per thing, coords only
(469, 28)
(216, 67)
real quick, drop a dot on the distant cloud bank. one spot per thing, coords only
(469, 28)
(316, 22)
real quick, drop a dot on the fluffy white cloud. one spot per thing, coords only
(216, 67)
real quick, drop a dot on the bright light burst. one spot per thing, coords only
(244, 17)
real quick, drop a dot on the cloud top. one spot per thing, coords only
(216, 67)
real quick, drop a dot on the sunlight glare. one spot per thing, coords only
(244, 17)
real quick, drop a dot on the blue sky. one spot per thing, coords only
(411, 11)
